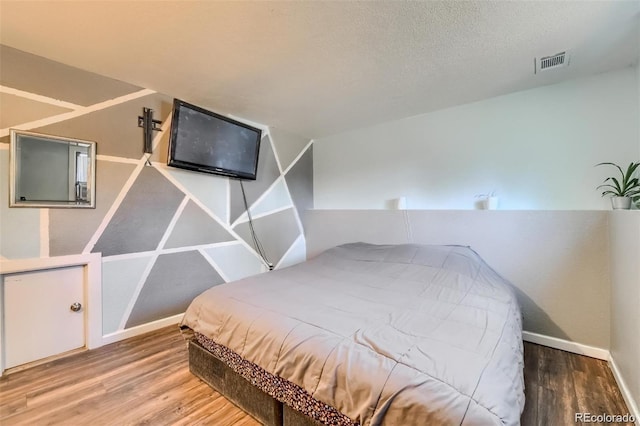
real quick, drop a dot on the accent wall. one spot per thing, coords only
(165, 234)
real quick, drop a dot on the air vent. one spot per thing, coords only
(559, 60)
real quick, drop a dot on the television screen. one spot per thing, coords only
(207, 142)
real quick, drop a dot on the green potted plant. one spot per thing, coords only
(623, 189)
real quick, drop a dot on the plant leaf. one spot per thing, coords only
(630, 171)
(617, 185)
(611, 164)
(627, 186)
(613, 188)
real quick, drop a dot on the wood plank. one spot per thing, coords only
(552, 409)
(568, 384)
(45, 411)
(531, 356)
(595, 396)
(143, 380)
(14, 406)
(146, 380)
(530, 413)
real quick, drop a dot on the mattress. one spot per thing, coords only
(386, 335)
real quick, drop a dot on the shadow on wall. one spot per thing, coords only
(558, 260)
(535, 318)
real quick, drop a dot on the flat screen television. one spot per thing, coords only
(207, 142)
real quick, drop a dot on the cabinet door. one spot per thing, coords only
(39, 319)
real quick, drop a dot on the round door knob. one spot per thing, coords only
(75, 307)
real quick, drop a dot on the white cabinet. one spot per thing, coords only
(44, 314)
(36, 295)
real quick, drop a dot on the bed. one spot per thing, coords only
(366, 334)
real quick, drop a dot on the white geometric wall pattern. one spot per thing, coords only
(229, 249)
(157, 220)
(119, 282)
(21, 110)
(142, 217)
(297, 253)
(276, 233)
(287, 146)
(276, 198)
(71, 229)
(235, 261)
(194, 228)
(56, 81)
(268, 172)
(170, 286)
(210, 190)
(273, 208)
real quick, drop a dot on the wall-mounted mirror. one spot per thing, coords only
(51, 171)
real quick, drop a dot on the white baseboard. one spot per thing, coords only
(566, 345)
(624, 389)
(141, 329)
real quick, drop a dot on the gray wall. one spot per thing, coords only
(166, 234)
(558, 261)
(625, 297)
(536, 148)
(625, 294)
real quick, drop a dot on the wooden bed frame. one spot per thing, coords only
(260, 405)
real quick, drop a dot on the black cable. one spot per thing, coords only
(254, 236)
(256, 241)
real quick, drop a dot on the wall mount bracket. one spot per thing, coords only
(149, 125)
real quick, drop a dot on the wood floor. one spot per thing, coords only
(559, 384)
(146, 381)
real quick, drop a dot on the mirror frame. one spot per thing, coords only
(13, 167)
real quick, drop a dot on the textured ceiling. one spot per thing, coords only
(319, 68)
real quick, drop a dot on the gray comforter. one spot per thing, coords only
(388, 335)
